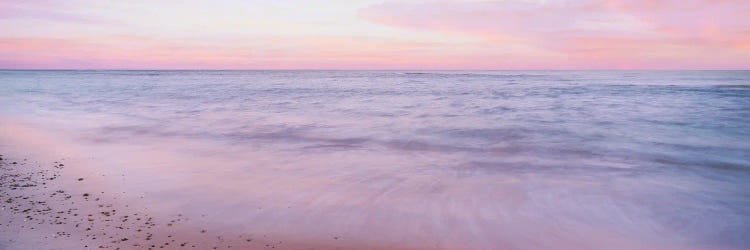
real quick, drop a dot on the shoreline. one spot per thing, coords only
(35, 203)
(51, 205)
(131, 187)
(285, 199)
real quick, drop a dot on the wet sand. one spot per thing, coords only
(34, 203)
(57, 197)
(40, 211)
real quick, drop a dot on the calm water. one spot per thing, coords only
(500, 159)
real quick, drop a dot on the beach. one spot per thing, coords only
(46, 206)
(39, 214)
(374, 159)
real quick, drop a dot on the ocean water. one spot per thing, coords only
(412, 159)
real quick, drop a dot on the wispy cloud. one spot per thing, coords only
(50, 10)
(369, 34)
(617, 32)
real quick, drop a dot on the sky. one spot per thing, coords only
(369, 34)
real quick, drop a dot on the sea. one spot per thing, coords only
(409, 159)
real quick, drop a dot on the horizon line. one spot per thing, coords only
(312, 69)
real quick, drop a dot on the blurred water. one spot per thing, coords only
(491, 159)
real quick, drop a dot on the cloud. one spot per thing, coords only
(495, 18)
(618, 30)
(142, 52)
(50, 10)
(438, 34)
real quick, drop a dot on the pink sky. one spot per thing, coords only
(369, 34)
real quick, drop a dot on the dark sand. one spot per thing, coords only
(38, 212)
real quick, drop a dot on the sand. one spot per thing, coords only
(39, 212)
